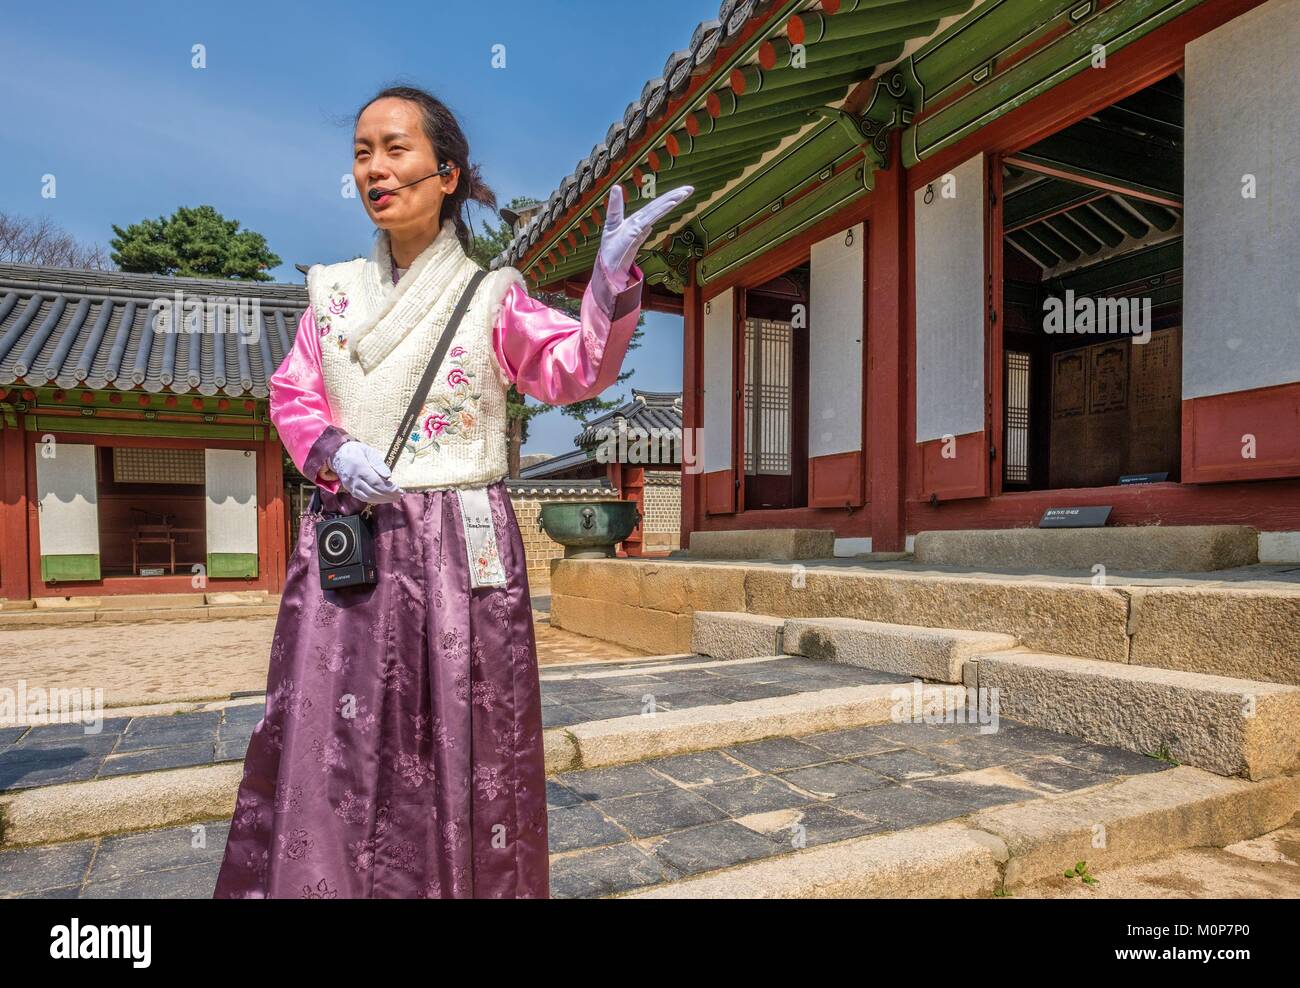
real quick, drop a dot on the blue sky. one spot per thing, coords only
(103, 96)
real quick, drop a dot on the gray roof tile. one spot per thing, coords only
(97, 329)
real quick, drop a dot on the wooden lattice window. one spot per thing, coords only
(1016, 444)
(138, 465)
(768, 396)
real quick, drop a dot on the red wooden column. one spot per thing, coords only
(15, 544)
(634, 491)
(885, 421)
(692, 404)
(274, 537)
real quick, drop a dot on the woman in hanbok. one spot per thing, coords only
(400, 752)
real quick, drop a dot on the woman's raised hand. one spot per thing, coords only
(363, 473)
(622, 238)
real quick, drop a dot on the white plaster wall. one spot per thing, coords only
(69, 504)
(1241, 262)
(232, 500)
(950, 306)
(719, 321)
(835, 344)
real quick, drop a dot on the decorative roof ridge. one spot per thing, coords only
(46, 279)
(712, 43)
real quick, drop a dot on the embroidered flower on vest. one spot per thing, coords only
(338, 305)
(452, 411)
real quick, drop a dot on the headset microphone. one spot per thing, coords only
(444, 169)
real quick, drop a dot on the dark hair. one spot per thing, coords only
(449, 143)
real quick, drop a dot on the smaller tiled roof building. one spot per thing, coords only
(136, 448)
(637, 450)
(652, 416)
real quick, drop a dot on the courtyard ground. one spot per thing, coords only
(154, 662)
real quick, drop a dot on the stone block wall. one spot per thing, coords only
(661, 527)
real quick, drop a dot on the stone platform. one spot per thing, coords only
(1242, 623)
(1164, 548)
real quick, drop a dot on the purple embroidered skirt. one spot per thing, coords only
(400, 753)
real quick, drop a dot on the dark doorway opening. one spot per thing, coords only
(774, 321)
(1092, 222)
(152, 510)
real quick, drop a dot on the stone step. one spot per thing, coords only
(1121, 549)
(937, 805)
(770, 776)
(703, 837)
(735, 635)
(1233, 727)
(692, 704)
(930, 653)
(995, 851)
(1249, 630)
(59, 784)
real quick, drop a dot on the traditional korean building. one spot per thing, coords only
(136, 448)
(950, 263)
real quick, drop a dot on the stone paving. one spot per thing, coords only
(50, 754)
(627, 826)
(645, 687)
(172, 863)
(56, 753)
(150, 662)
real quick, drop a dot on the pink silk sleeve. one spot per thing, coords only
(299, 408)
(557, 359)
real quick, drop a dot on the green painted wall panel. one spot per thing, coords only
(232, 564)
(70, 566)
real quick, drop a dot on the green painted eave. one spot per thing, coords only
(798, 93)
(748, 169)
(788, 221)
(972, 74)
(579, 262)
(1149, 264)
(102, 416)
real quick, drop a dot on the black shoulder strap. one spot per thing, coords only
(440, 351)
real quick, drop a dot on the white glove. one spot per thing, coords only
(363, 473)
(620, 239)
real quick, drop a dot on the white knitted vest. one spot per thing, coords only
(376, 341)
